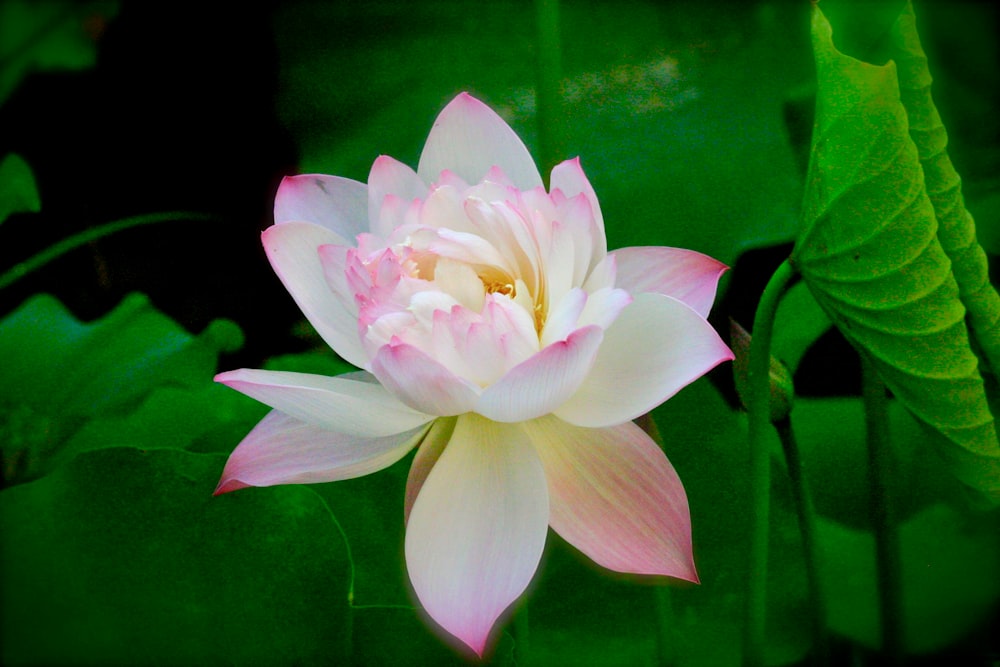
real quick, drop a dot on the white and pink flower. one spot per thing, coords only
(498, 337)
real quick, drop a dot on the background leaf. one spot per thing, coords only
(59, 374)
(870, 254)
(125, 557)
(18, 192)
(956, 228)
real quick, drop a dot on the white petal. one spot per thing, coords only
(568, 177)
(293, 250)
(430, 450)
(478, 527)
(339, 204)
(539, 385)
(423, 383)
(343, 403)
(390, 177)
(657, 346)
(284, 450)
(469, 138)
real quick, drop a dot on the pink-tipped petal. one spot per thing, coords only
(683, 274)
(477, 528)
(343, 404)
(421, 382)
(614, 496)
(468, 139)
(285, 450)
(657, 346)
(390, 177)
(293, 249)
(568, 177)
(339, 204)
(542, 383)
(430, 450)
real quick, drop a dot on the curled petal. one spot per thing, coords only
(285, 450)
(421, 382)
(686, 275)
(344, 404)
(339, 204)
(293, 249)
(478, 527)
(540, 384)
(614, 496)
(657, 346)
(469, 138)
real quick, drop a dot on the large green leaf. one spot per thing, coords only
(58, 375)
(956, 228)
(125, 557)
(870, 254)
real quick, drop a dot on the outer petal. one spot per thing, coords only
(469, 138)
(339, 204)
(421, 382)
(657, 346)
(293, 249)
(686, 275)
(430, 450)
(285, 450)
(615, 497)
(539, 385)
(345, 405)
(477, 528)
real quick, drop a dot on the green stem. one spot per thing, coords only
(807, 528)
(890, 590)
(22, 269)
(759, 409)
(548, 99)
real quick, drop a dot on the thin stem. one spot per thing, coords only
(807, 528)
(887, 561)
(759, 409)
(548, 98)
(22, 269)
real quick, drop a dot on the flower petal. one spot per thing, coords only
(293, 250)
(469, 138)
(421, 382)
(390, 177)
(542, 383)
(657, 346)
(614, 496)
(339, 204)
(568, 177)
(285, 450)
(477, 528)
(430, 450)
(683, 274)
(343, 404)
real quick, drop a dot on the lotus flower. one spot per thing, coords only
(499, 338)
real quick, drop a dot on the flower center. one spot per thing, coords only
(498, 287)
